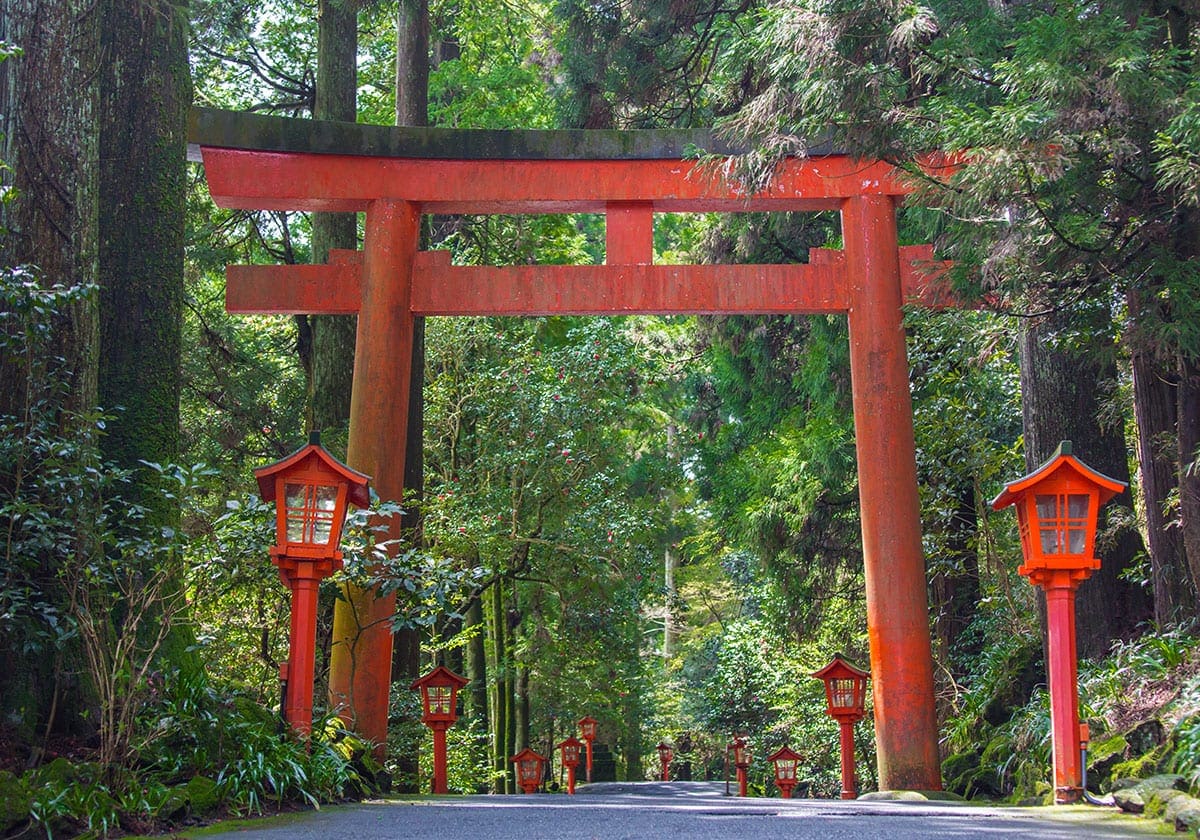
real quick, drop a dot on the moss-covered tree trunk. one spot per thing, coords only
(1155, 403)
(146, 92)
(327, 341)
(954, 589)
(49, 112)
(501, 698)
(521, 709)
(475, 661)
(412, 81)
(49, 131)
(1062, 394)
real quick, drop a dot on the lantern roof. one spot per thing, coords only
(570, 741)
(439, 676)
(1062, 459)
(527, 754)
(840, 669)
(663, 745)
(358, 493)
(784, 753)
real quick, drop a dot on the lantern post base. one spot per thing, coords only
(439, 783)
(301, 651)
(846, 738)
(1063, 675)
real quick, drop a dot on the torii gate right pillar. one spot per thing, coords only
(897, 607)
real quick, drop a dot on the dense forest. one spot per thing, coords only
(650, 520)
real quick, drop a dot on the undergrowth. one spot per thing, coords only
(201, 753)
(1142, 704)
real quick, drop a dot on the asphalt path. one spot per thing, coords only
(694, 810)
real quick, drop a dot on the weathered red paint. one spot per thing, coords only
(897, 608)
(302, 645)
(629, 233)
(341, 183)
(442, 289)
(361, 660)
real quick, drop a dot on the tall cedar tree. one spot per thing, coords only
(49, 98)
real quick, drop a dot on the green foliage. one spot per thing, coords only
(47, 466)
(200, 750)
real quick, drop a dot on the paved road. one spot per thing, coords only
(692, 810)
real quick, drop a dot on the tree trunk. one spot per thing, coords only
(476, 664)
(412, 62)
(501, 700)
(521, 709)
(49, 112)
(631, 738)
(412, 55)
(1189, 464)
(955, 593)
(1155, 404)
(330, 364)
(145, 94)
(1061, 393)
(508, 676)
(670, 599)
(146, 91)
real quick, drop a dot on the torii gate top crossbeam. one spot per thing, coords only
(462, 171)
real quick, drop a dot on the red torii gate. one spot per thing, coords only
(394, 175)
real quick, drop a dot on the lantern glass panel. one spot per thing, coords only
(310, 510)
(842, 693)
(570, 754)
(785, 768)
(529, 769)
(440, 699)
(741, 753)
(1062, 522)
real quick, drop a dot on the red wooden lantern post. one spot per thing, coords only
(439, 702)
(570, 759)
(315, 490)
(741, 760)
(845, 696)
(529, 769)
(665, 754)
(587, 731)
(1057, 508)
(785, 760)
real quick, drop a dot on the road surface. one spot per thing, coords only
(691, 810)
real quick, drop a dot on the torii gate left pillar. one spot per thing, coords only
(361, 659)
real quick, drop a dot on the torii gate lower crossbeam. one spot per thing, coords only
(391, 281)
